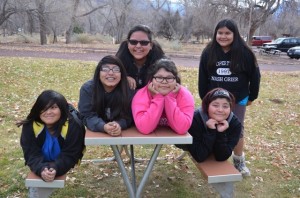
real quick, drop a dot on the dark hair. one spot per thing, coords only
(120, 98)
(154, 54)
(217, 93)
(239, 48)
(44, 101)
(140, 28)
(168, 65)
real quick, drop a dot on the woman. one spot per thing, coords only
(229, 63)
(163, 101)
(215, 129)
(52, 140)
(104, 101)
(138, 53)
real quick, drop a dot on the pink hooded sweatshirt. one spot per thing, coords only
(175, 110)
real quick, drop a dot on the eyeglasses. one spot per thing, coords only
(221, 93)
(135, 42)
(161, 79)
(115, 69)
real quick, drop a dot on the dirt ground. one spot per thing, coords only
(94, 53)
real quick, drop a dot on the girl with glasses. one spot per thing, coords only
(228, 62)
(52, 139)
(138, 53)
(163, 101)
(215, 129)
(105, 101)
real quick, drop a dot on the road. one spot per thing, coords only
(282, 63)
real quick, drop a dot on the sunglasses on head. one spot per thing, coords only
(135, 42)
(219, 93)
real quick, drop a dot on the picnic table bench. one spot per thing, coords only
(269, 52)
(41, 188)
(221, 175)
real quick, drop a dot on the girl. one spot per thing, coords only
(215, 129)
(163, 101)
(105, 101)
(52, 140)
(138, 53)
(229, 63)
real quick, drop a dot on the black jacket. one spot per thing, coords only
(72, 148)
(90, 117)
(209, 141)
(241, 84)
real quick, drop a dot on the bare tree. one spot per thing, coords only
(69, 32)
(284, 21)
(6, 10)
(40, 4)
(167, 21)
(260, 10)
(73, 18)
(256, 12)
(178, 20)
(170, 25)
(121, 9)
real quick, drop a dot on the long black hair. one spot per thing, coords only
(154, 54)
(120, 100)
(239, 49)
(44, 101)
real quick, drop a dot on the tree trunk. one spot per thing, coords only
(31, 22)
(54, 37)
(188, 29)
(70, 29)
(6, 12)
(42, 21)
(120, 28)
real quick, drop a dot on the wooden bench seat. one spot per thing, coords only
(220, 174)
(43, 189)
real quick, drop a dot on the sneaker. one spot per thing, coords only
(240, 165)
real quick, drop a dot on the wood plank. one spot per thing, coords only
(33, 180)
(218, 171)
(131, 136)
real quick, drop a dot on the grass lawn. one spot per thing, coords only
(272, 137)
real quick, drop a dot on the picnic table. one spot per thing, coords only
(131, 136)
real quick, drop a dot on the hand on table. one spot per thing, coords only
(48, 175)
(112, 128)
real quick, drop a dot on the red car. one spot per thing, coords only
(260, 40)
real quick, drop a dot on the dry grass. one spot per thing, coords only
(90, 41)
(272, 135)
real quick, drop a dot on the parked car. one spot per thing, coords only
(294, 52)
(260, 40)
(281, 44)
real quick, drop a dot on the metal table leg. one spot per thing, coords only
(123, 171)
(129, 155)
(131, 187)
(132, 160)
(148, 170)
